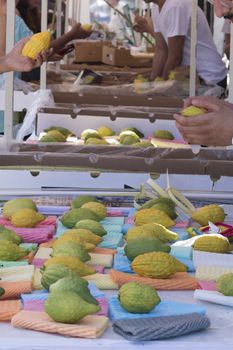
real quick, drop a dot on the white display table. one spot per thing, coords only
(219, 335)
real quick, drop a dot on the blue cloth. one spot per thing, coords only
(112, 240)
(165, 308)
(188, 263)
(122, 263)
(13, 263)
(125, 228)
(95, 292)
(181, 252)
(182, 233)
(112, 220)
(36, 295)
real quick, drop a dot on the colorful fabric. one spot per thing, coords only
(9, 308)
(211, 273)
(13, 290)
(89, 327)
(103, 282)
(179, 281)
(17, 273)
(101, 259)
(165, 308)
(145, 329)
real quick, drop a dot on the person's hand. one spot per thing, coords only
(214, 128)
(207, 102)
(77, 32)
(141, 25)
(16, 62)
(223, 8)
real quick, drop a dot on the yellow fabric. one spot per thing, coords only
(43, 253)
(36, 283)
(211, 273)
(105, 260)
(17, 273)
(89, 327)
(102, 281)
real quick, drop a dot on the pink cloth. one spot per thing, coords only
(33, 235)
(98, 268)
(50, 220)
(114, 212)
(103, 302)
(34, 305)
(208, 285)
(130, 220)
(38, 262)
(38, 305)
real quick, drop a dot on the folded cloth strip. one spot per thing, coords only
(89, 327)
(13, 290)
(213, 297)
(50, 220)
(102, 281)
(105, 260)
(211, 273)
(17, 273)
(9, 308)
(107, 251)
(179, 281)
(123, 264)
(160, 327)
(47, 244)
(36, 283)
(35, 235)
(212, 259)
(165, 308)
(38, 305)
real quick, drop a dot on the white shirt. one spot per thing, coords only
(117, 23)
(174, 19)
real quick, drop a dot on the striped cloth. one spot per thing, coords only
(160, 327)
(179, 281)
(89, 327)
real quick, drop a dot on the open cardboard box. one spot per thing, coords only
(89, 50)
(121, 57)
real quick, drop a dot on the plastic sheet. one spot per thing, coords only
(42, 98)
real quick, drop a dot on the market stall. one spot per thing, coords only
(111, 182)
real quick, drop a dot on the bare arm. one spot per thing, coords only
(14, 61)
(77, 32)
(175, 54)
(161, 54)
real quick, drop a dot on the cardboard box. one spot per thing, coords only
(89, 50)
(122, 57)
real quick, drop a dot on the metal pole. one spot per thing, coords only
(193, 61)
(44, 19)
(67, 24)
(58, 26)
(230, 98)
(9, 82)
